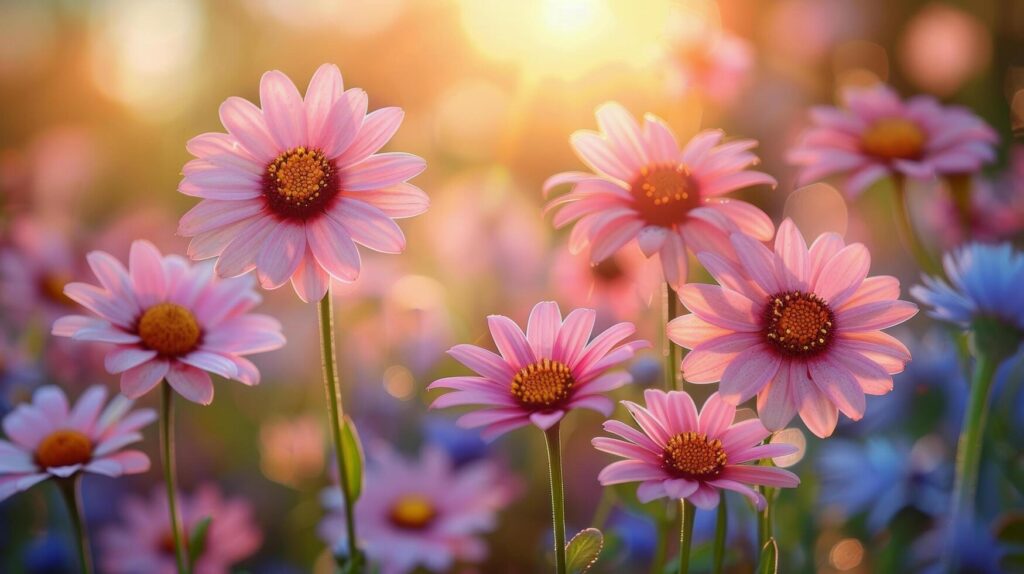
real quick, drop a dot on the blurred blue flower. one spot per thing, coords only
(646, 370)
(881, 477)
(979, 551)
(50, 554)
(984, 281)
(462, 445)
(638, 534)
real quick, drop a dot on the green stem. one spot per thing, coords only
(688, 512)
(335, 412)
(660, 546)
(71, 488)
(553, 441)
(907, 233)
(673, 374)
(968, 452)
(170, 476)
(721, 527)
(765, 517)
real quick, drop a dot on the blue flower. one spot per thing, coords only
(984, 281)
(462, 445)
(976, 545)
(882, 477)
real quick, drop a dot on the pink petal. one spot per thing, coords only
(310, 280)
(629, 471)
(245, 122)
(758, 262)
(510, 341)
(688, 331)
(368, 225)
(793, 256)
(145, 265)
(333, 248)
(281, 254)
(747, 218)
(573, 336)
(378, 127)
(239, 256)
(624, 449)
(748, 373)
(283, 110)
(139, 380)
(631, 434)
(843, 274)
(839, 386)
(542, 328)
(680, 488)
(381, 170)
(650, 424)
(623, 134)
(817, 411)
(705, 497)
(599, 155)
(212, 362)
(83, 415)
(192, 383)
(674, 261)
(716, 416)
(742, 436)
(484, 362)
(342, 124)
(707, 362)
(52, 402)
(212, 214)
(776, 403)
(720, 307)
(874, 316)
(761, 475)
(546, 420)
(397, 201)
(123, 358)
(325, 87)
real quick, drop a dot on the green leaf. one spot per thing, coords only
(352, 450)
(582, 551)
(197, 540)
(769, 563)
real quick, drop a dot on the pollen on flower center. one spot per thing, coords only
(300, 183)
(692, 455)
(64, 448)
(545, 383)
(412, 512)
(893, 138)
(665, 194)
(798, 324)
(169, 329)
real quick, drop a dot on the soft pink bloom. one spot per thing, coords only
(878, 135)
(680, 454)
(421, 513)
(35, 265)
(800, 328)
(143, 542)
(540, 375)
(645, 187)
(714, 63)
(621, 286)
(170, 320)
(292, 187)
(49, 439)
(292, 450)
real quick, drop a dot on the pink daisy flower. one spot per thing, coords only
(879, 135)
(645, 187)
(682, 454)
(800, 328)
(292, 187)
(34, 267)
(143, 542)
(170, 320)
(539, 376)
(620, 287)
(421, 513)
(712, 62)
(50, 439)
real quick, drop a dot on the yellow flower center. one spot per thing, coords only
(893, 138)
(412, 512)
(798, 324)
(665, 194)
(64, 448)
(169, 329)
(545, 383)
(691, 455)
(299, 183)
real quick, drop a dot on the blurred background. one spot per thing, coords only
(100, 97)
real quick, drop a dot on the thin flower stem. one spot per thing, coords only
(766, 516)
(170, 476)
(335, 412)
(721, 527)
(968, 452)
(908, 235)
(553, 441)
(673, 376)
(687, 511)
(660, 545)
(71, 488)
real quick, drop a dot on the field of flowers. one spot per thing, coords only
(473, 286)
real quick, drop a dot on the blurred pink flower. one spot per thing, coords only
(714, 63)
(169, 319)
(800, 328)
(292, 450)
(645, 188)
(421, 513)
(541, 375)
(622, 285)
(879, 135)
(681, 454)
(48, 439)
(34, 267)
(143, 541)
(291, 188)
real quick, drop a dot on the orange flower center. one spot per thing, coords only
(299, 183)
(691, 455)
(64, 448)
(52, 288)
(607, 270)
(798, 324)
(893, 138)
(169, 329)
(545, 383)
(412, 512)
(665, 194)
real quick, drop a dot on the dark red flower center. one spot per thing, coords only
(300, 183)
(412, 512)
(665, 194)
(64, 448)
(893, 138)
(798, 324)
(608, 270)
(169, 329)
(544, 384)
(693, 456)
